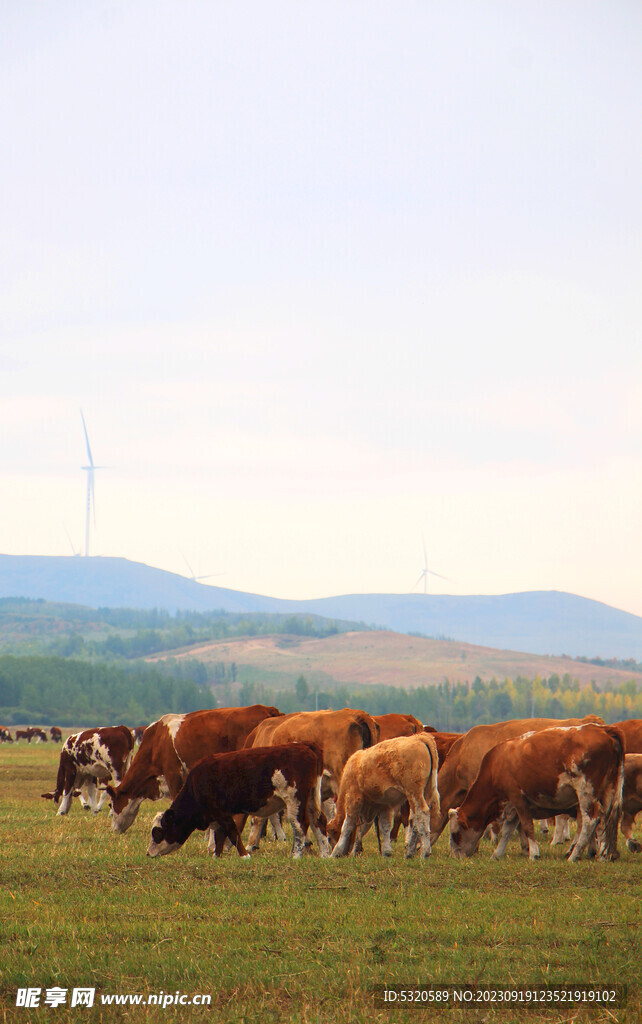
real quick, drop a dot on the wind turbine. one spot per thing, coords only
(91, 495)
(196, 579)
(426, 572)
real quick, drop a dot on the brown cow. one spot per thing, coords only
(171, 746)
(458, 771)
(538, 775)
(338, 733)
(260, 781)
(88, 756)
(631, 799)
(5, 735)
(377, 781)
(443, 742)
(31, 733)
(632, 729)
(56, 734)
(397, 725)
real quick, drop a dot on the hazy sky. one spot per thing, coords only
(327, 280)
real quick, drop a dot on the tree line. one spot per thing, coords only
(66, 691)
(70, 691)
(456, 707)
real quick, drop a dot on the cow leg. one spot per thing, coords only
(227, 829)
(589, 823)
(320, 839)
(562, 832)
(255, 833)
(347, 832)
(418, 835)
(65, 802)
(508, 828)
(626, 828)
(277, 827)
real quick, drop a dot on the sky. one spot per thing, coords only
(342, 290)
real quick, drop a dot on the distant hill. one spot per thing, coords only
(383, 658)
(542, 622)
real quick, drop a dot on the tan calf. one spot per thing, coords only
(376, 782)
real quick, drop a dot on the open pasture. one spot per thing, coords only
(274, 940)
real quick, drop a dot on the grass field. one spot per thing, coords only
(274, 940)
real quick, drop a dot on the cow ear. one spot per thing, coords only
(48, 796)
(157, 834)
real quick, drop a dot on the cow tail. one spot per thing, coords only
(613, 810)
(369, 736)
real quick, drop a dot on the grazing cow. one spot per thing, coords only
(538, 775)
(56, 734)
(261, 781)
(397, 725)
(631, 799)
(443, 742)
(5, 735)
(31, 733)
(377, 781)
(464, 757)
(337, 733)
(87, 756)
(171, 746)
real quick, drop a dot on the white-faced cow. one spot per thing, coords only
(31, 733)
(463, 759)
(87, 757)
(171, 746)
(5, 735)
(539, 775)
(260, 781)
(376, 782)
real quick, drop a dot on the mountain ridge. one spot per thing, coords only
(540, 622)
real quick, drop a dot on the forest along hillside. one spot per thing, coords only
(376, 658)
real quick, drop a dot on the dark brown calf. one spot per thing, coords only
(259, 781)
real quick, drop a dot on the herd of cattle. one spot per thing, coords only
(335, 773)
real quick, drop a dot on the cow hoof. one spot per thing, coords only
(634, 846)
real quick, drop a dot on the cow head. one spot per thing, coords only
(166, 837)
(125, 807)
(464, 840)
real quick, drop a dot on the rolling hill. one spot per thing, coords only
(546, 622)
(383, 658)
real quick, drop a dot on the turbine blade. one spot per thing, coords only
(84, 427)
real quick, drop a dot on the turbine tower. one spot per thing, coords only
(426, 572)
(91, 495)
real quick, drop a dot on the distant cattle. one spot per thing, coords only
(86, 757)
(171, 746)
(461, 764)
(376, 782)
(56, 734)
(631, 799)
(5, 735)
(31, 733)
(538, 775)
(260, 781)
(138, 733)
